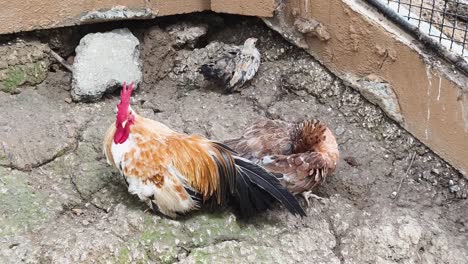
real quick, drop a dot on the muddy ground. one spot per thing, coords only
(61, 202)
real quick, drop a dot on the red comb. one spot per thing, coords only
(122, 107)
(126, 93)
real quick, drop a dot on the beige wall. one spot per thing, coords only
(28, 15)
(35, 14)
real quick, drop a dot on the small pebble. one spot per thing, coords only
(352, 161)
(394, 194)
(77, 211)
(339, 131)
(454, 188)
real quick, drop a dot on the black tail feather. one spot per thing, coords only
(209, 71)
(263, 189)
(249, 187)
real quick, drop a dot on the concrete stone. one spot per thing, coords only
(379, 93)
(118, 13)
(27, 16)
(103, 62)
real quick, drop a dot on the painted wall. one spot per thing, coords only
(16, 16)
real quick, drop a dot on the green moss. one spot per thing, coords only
(35, 72)
(162, 239)
(123, 257)
(205, 229)
(200, 257)
(158, 232)
(31, 73)
(21, 208)
(3, 158)
(14, 78)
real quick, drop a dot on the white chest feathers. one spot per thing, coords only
(118, 151)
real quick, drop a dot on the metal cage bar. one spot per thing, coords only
(447, 19)
(441, 25)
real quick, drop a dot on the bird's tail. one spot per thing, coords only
(254, 189)
(210, 71)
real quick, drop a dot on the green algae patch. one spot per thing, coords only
(22, 208)
(164, 241)
(3, 158)
(15, 76)
(124, 256)
(209, 228)
(201, 257)
(159, 242)
(23, 63)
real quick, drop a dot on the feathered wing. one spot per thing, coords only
(298, 154)
(236, 181)
(246, 65)
(301, 172)
(266, 137)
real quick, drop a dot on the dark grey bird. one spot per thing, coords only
(238, 65)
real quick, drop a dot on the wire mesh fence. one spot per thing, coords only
(443, 20)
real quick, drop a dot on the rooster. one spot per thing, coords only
(301, 154)
(237, 66)
(175, 173)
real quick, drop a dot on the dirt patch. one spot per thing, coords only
(391, 199)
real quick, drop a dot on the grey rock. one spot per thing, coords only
(454, 188)
(379, 93)
(118, 13)
(103, 62)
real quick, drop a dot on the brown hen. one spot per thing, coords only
(302, 155)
